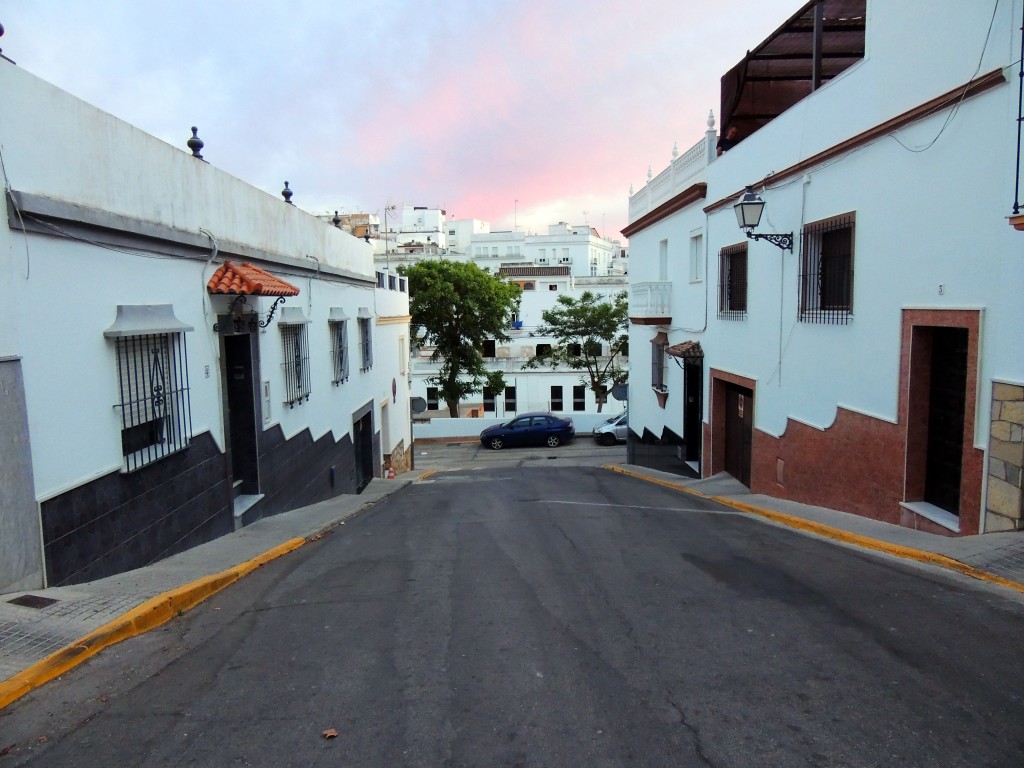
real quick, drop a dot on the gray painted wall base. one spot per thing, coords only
(21, 558)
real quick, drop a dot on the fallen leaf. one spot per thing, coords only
(6, 749)
(330, 733)
(104, 699)
(42, 739)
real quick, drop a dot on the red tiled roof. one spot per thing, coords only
(533, 271)
(249, 280)
(687, 349)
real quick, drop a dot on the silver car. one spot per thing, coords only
(613, 431)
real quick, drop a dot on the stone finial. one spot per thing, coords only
(336, 221)
(287, 194)
(675, 150)
(711, 120)
(631, 192)
(195, 143)
(650, 173)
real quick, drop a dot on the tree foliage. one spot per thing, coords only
(583, 327)
(456, 307)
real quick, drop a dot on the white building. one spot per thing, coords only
(180, 352)
(878, 366)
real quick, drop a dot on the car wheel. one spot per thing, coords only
(496, 443)
(607, 438)
(553, 441)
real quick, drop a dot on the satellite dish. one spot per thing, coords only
(621, 392)
(418, 404)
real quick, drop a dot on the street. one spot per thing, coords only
(517, 613)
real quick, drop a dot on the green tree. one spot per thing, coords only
(455, 307)
(583, 327)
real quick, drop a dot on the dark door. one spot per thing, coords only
(693, 386)
(240, 387)
(362, 443)
(739, 431)
(946, 404)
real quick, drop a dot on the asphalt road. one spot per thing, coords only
(555, 616)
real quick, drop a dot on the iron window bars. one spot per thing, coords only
(658, 358)
(295, 364)
(826, 271)
(156, 409)
(339, 351)
(732, 282)
(366, 343)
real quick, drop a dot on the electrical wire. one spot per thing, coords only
(10, 196)
(956, 107)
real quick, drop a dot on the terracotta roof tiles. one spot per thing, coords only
(249, 280)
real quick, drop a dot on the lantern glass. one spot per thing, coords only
(748, 210)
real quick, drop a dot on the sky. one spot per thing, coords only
(520, 113)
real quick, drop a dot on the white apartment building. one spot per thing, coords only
(181, 353)
(860, 347)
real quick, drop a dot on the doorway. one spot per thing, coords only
(693, 387)
(240, 414)
(947, 397)
(739, 431)
(362, 444)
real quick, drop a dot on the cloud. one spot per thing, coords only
(559, 104)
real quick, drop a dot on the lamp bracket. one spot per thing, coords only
(785, 242)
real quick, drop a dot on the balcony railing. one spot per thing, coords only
(684, 171)
(650, 300)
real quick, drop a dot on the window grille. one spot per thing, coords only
(574, 349)
(556, 398)
(295, 364)
(658, 359)
(156, 412)
(432, 401)
(488, 400)
(365, 343)
(339, 351)
(543, 349)
(510, 398)
(826, 271)
(732, 282)
(490, 348)
(579, 397)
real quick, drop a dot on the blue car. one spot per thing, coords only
(529, 429)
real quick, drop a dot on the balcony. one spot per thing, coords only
(650, 303)
(683, 172)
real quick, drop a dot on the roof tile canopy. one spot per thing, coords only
(686, 350)
(249, 280)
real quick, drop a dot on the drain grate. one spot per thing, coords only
(33, 601)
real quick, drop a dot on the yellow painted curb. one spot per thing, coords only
(150, 614)
(909, 553)
(427, 473)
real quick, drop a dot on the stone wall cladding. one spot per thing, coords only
(1005, 501)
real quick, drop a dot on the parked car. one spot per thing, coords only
(612, 431)
(529, 429)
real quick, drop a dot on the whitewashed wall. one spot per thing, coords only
(57, 146)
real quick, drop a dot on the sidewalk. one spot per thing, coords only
(40, 643)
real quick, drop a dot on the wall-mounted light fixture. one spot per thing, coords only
(748, 216)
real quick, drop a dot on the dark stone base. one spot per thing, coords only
(119, 522)
(662, 453)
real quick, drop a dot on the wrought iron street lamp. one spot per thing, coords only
(748, 216)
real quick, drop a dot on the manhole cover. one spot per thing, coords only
(32, 601)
